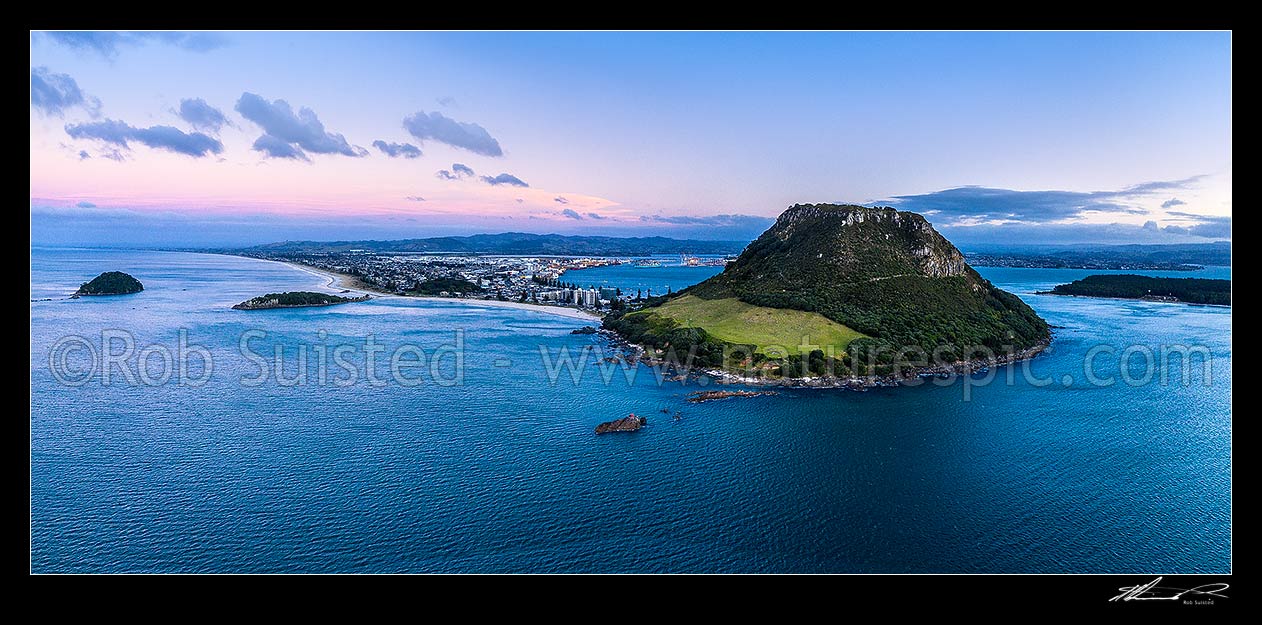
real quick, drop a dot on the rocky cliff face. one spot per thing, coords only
(843, 235)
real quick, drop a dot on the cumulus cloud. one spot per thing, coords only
(397, 150)
(507, 179)
(108, 43)
(166, 138)
(560, 200)
(1150, 225)
(302, 132)
(446, 101)
(414, 198)
(1172, 202)
(571, 213)
(83, 155)
(113, 155)
(595, 216)
(277, 148)
(438, 127)
(53, 93)
(460, 171)
(85, 205)
(991, 204)
(201, 116)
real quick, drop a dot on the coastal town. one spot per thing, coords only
(537, 280)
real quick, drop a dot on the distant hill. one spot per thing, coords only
(882, 278)
(510, 243)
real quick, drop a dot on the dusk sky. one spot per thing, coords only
(171, 139)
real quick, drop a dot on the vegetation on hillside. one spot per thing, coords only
(295, 299)
(111, 283)
(880, 273)
(732, 334)
(873, 270)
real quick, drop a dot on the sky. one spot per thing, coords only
(238, 138)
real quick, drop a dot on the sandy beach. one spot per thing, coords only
(334, 281)
(338, 282)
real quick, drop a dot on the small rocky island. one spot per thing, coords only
(296, 299)
(629, 423)
(704, 396)
(584, 330)
(111, 283)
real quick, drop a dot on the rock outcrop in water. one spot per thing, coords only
(629, 423)
(704, 396)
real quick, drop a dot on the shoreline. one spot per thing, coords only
(724, 378)
(340, 282)
(956, 369)
(1132, 299)
(335, 280)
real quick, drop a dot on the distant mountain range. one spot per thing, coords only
(515, 243)
(1170, 256)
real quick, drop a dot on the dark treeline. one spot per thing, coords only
(1191, 290)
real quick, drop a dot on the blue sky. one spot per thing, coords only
(234, 138)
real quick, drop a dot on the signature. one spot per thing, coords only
(1152, 592)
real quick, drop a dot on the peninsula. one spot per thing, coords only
(1128, 286)
(840, 292)
(111, 283)
(296, 299)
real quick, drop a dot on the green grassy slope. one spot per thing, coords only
(734, 321)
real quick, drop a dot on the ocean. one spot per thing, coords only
(480, 455)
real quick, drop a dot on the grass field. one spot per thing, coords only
(735, 321)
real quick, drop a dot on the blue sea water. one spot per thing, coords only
(630, 278)
(501, 471)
